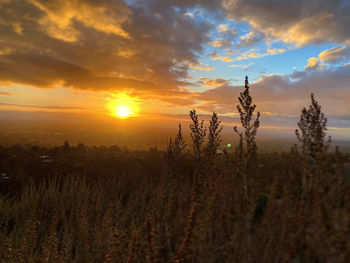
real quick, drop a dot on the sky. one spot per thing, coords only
(141, 58)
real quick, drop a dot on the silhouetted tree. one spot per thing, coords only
(214, 138)
(311, 130)
(249, 123)
(311, 133)
(247, 153)
(198, 132)
(179, 143)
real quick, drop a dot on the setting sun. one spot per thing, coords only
(123, 106)
(123, 111)
(174, 131)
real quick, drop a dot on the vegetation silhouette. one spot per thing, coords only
(99, 204)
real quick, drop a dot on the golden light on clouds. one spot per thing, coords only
(59, 18)
(172, 61)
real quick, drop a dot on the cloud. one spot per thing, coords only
(208, 82)
(243, 67)
(312, 63)
(58, 17)
(199, 66)
(216, 56)
(221, 43)
(275, 51)
(249, 39)
(275, 93)
(147, 47)
(299, 22)
(99, 45)
(5, 51)
(254, 54)
(335, 55)
(247, 67)
(231, 52)
(224, 29)
(48, 107)
(48, 72)
(330, 56)
(249, 54)
(5, 93)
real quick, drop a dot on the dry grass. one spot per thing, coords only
(223, 210)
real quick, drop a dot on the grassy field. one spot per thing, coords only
(191, 203)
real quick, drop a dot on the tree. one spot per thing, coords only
(175, 149)
(247, 154)
(214, 137)
(311, 134)
(198, 132)
(249, 123)
(179, 143)
(311, 130)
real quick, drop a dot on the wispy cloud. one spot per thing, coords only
(47, 107)
(221, 43)
(255, 54)
(199, 66)
(249, 39)
(216, 56)
(335, 55)
(243, 67)
(226, 30)
(5, 93)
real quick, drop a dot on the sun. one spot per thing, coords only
(123, 111)
(123, 106)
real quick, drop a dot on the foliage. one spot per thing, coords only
(99, 204)
(311, 130)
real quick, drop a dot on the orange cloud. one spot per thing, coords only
(221, 43)
(98, 45)
(60, 16)
(312, 63)
(5, 93)
(199, 66)
(275, 51)
(46, 107)
(335, 54)
(208, 82)
(216, 56)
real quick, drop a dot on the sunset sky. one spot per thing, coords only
(152, 57)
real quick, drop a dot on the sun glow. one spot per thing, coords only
(123, 111)
(123, 107)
